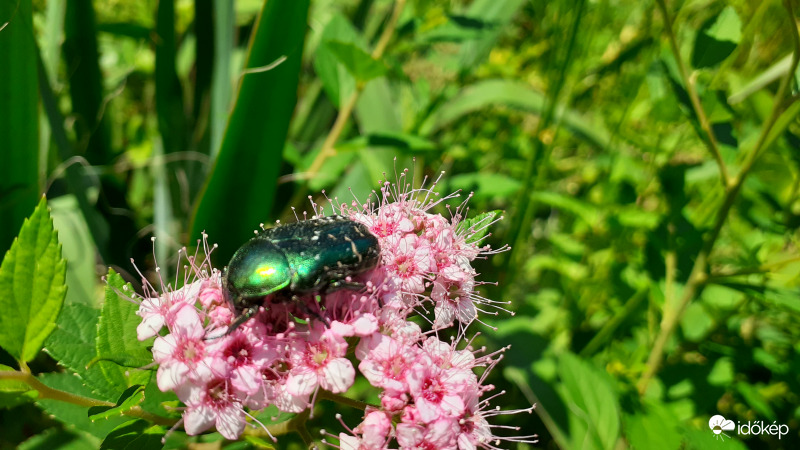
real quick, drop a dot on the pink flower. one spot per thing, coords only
(182, 354)
(320, 361)
(158, 311)
(212, 404)
(298, 342)
(438, 435)
(410, 261)
(453, 302)
(245, 354)
(437, 392)
(388, 363)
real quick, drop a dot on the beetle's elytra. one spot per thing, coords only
(310, 256)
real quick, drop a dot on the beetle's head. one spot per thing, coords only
(257, 269)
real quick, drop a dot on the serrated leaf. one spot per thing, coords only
(136, 434)
(116, 335)
(32, 286)
(74, 416)
(477, 227)
(358, 62)
(73, 345)
(129, 399)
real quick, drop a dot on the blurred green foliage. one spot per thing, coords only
(649, 172)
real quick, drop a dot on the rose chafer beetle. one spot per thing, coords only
(313, 256)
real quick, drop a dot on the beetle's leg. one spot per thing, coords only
(247, 313)
(342, 284)
(303, 306)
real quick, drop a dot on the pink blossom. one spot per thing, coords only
(212, 404)
(245, 354)
(437, 435)
(320, 361)
(453, 302)
(388, 363)
(182, 354)
(437, 392)
(156, 312)
(410, 262)
(293, 347)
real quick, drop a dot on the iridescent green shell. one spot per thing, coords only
(310, 256)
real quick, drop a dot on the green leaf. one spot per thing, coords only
(60, 439)
(77, 244)
(655, 428)
(486, 185)
(586, 211)
(154, 399)
(514, 94)
(129, 399)
(259, 442)
(402, 142)
(753, 397)
(717, 39)
(782, 123)
(19, 132)
(73, 345)
(591, 402)
(74, 416)
(224, 17)
(32, 286)
(134, 435)
(478, 226)
(763, 79)
(336, 80)
(497, 13)
(116, 335)
(457, 28)
(244, 178)
(82, 59)
(359, 63)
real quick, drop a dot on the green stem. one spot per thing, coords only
(48, 393)
(344, 400)
(296, 424)
(329, 145)
(688, 82)
(763, 268)
(698, 275)
(607, 331)
(536, 170)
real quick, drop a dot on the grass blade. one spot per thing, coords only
(244, 178)
(19, 131)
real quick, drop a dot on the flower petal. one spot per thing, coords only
(337, 375)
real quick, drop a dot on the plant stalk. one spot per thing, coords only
(688, 82)
(698, 275)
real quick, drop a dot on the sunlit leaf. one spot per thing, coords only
(32, 286)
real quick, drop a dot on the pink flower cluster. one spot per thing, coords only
(430, 394)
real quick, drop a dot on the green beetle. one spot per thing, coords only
(307, 257)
